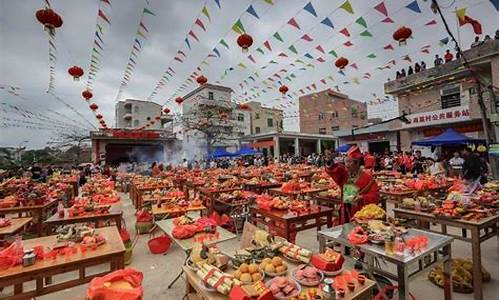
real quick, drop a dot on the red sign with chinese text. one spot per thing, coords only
(125, 134)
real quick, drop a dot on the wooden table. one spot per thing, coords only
(488, 225)
(288, 222)
(187, 244)
(162, 211)
(209, 195)
(115, 213)
(37, 212)
(16, 224)
(111, 253)
(195, 290)
(260, 188)
(297, 194)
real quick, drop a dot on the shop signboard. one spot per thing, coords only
(437, 117)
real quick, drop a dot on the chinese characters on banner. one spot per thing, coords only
(442, 116)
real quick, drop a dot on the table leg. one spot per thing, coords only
(287, 231)
(403, 282)
(476, 265)
(329, 221)
(181, 272)
(321, 243)
(448, 286)
(118, 222)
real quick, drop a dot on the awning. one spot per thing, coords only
(449, 137)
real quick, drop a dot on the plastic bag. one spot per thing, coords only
(123, 284)
(144, 216)
(9, 257)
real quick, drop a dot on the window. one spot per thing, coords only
(241, 117)
(354, 113)
(450, 96)
(136, 122)
(269, 122)
(257, 129)
(354, 126)
(335, 128)
(257, 116)
(322, 131)
(335, 114)
(136, 109)
(210, 95)
(321, 116)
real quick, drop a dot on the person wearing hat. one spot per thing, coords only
(358, 187)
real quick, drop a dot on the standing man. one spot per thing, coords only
(456, 163)
(418, 163)
(472, 167)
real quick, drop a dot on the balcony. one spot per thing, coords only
(475, 56)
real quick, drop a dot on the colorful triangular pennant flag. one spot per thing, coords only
(204, 11)
(326, 21)
(361, 22)
(200, 23)
(293, 23)
(309, 8)
(306, 37)
(238, 27)
(347, 7)
(252, 11)
(277, 36)
(147, 11)
(414, 7)
(366, 33)
(381, 8)
(223, 43)
(191, 33)
(345, 32)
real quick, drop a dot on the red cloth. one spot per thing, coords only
(476, 25)
(340, 175)
(448, 57)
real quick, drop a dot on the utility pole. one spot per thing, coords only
(490, 136)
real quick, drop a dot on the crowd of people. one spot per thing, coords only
(438, 60)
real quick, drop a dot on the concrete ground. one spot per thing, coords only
(159, 270)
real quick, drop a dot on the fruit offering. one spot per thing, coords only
(96, 239)
(307, 275)
(461, 271)
(73, 232)
(370, 212)
(283, 287)
(357, 236)
(273, 266)
(280, 203)
(248, 273)
(4, 222)
(449, 209)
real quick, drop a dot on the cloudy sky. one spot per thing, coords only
(299, 58)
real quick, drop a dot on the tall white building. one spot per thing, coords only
(210, 106)
(131, 113)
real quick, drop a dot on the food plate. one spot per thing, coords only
(304, 282)
(298, 289)
(252, 282)
(274, 274)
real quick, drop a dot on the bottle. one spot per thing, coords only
(399, 245)
(60, 209)
(19, 245)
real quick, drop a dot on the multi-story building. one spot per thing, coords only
(209, 116)
(447, 96)
(328, 112)
(264, 119)
(131, 113)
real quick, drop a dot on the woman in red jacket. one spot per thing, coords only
(357, 185)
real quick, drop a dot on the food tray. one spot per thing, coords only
(299, 288)
(315, 283)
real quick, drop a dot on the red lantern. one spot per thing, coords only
(50, 19)
(283, 89)
(152, 122)
(341, 62)
(158, 118)
(402, 34)
(93, 107)
(245, 41)
(87, 94)
(243, 106)
(147, 125)
(102, 122)
(148, 118)
(76, 72)
(201, 80)
(99, 117)
(179, 100)
(166, 110)
(331, 93)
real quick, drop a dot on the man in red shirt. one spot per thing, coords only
(448, 56)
